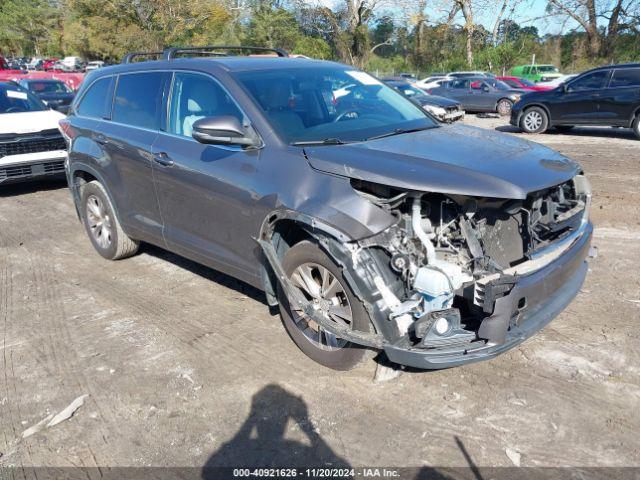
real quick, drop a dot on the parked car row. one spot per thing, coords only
(66, 64)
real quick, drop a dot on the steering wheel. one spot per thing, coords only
(344, 114)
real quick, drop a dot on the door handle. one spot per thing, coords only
(163, 159)
(101, 140)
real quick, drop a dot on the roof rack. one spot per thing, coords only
(173, 52)
(128, 58)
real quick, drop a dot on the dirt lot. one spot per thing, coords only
(184, 366)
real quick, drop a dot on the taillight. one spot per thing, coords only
(66, 130)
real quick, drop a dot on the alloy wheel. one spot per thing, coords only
(328, 297)
(533, 120)
(99, 222)
(504, 107)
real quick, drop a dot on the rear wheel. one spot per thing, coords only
(322, 283)
(101, 224)
(504, 107)
(534, 120)
(636, 126)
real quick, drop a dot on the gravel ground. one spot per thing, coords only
(184, 366)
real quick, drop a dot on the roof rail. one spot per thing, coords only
(131, 55)
(173, 52)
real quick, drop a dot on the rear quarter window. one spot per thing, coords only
(138, 99)
(96, 102)
(625, 77)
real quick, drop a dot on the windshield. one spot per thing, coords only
(48, 87)
(526, 82)
(15, 100)
(547, 69)
(331, 104)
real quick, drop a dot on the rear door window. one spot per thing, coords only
(138, 99)
(625, 77)
(97, 101)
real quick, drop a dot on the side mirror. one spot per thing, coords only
(224, 130)
(485, 88)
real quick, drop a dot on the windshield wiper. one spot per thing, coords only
(400, 131)
(326, 141)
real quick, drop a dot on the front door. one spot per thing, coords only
(579, 102)
(205, 195)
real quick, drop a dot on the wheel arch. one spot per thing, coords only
(82, 173)
(634, 115)
(285, 228)
(539, 105)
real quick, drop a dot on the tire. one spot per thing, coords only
(504, 106)
(317, 344)
(636, 126)
(534, 120)
(102, 225)
(563, 128)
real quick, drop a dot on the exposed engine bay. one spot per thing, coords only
(454, 256)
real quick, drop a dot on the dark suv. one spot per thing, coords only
(370, 224)
(607, 96)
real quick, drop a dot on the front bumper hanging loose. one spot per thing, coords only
(546, 292)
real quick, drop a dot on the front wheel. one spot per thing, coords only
(534, 120)
(322, 283)
(504, 107)
(636, 126)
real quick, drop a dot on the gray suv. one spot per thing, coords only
(370, 224)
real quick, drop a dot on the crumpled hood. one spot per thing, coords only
(455, 159)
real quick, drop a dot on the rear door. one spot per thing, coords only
(579, 102)
(206, 196)
(127, 140)
(622, 97)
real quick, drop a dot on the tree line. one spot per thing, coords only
(381, 35)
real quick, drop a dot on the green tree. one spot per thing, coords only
(28, 26)
(273, 27)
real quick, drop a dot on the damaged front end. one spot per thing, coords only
(456, 278)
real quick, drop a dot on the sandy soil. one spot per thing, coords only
(184, 366)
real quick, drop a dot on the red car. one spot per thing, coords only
(48, 64)
(523, 84)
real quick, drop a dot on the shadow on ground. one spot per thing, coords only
(24, 188)
(260, 441)
(206, 273)
(595, 132)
